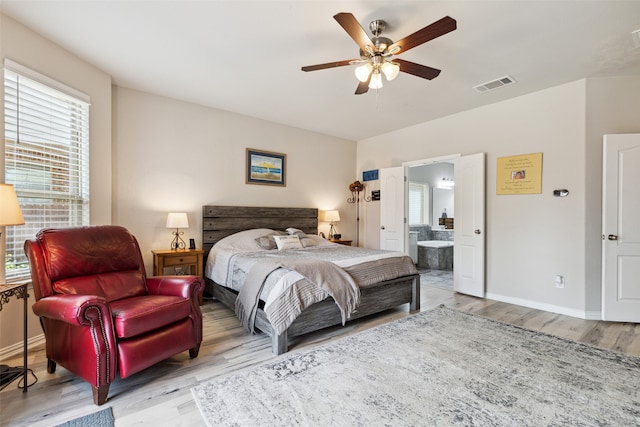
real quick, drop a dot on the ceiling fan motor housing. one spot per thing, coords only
(380, 43)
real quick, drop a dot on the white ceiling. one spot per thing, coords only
(245, 57)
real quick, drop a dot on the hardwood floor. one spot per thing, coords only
(161, 394)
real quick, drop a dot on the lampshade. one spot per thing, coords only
(10, 213)
(376, 80)
(390, 70)
(332, 216)
(363, 71)
(177, 220)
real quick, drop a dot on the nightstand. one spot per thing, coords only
(342, 242)
(180, 262)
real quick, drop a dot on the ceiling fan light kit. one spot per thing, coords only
(363, 72)
(390, 70)
(376, 80)
(376, 53)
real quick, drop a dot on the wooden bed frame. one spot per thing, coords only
(221, 221)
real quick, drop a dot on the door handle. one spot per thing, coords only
(477, 231)
(612, 237)
(382, 227)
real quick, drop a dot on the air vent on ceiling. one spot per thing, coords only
(494, 84)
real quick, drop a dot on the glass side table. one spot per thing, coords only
(19, 291)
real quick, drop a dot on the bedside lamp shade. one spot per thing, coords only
(332, 216)
(177, 220)
(10, 213)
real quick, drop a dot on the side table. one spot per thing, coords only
(179, 260)
(19, 291)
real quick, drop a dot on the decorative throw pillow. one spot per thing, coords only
(287, 242)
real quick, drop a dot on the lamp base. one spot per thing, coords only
(177, 243)
(332, 232)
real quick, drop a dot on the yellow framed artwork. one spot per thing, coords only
(519, 174)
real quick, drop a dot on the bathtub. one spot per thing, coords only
(435, 254)
(435, 243)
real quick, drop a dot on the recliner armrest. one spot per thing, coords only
(71, 308)
(184, 286)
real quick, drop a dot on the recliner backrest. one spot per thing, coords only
(97, 260)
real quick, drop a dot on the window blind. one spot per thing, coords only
(46, 159)
(418, 203)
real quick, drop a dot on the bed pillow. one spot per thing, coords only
(287, 242)
(296, 232)
(307, 241)
(243, 241)
(267, 241)
(314, 240)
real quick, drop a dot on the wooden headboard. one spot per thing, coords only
(219, 222)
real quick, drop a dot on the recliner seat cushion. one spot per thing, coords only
(138, 315)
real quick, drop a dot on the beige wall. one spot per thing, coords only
(27, 48)
(176, 156)
(529, 238)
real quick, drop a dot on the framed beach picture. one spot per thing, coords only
(265, 167)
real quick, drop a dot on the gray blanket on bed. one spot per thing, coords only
(323, 274)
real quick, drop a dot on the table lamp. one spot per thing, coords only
(177, 220)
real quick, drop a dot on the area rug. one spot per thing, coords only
(103, 418)
(436, 368)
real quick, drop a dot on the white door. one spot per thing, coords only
(621, 228)
(468, 226)
(392, 209)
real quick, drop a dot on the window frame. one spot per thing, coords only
(424, 209)
(46, 158)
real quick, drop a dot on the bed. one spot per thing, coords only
(224, 224)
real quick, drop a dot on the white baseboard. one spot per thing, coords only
(588, 315)
(17, 348)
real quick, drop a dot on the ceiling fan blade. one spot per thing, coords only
(355, 30)
(363, 87)
(430, 32)
(328, 65)
(417, 69)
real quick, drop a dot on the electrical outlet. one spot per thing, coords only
(559, 281)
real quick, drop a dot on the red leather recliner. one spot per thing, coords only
(100, 313)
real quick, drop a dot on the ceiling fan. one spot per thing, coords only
(376, 53)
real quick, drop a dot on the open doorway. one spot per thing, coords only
(468, 217)
(431, 218)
